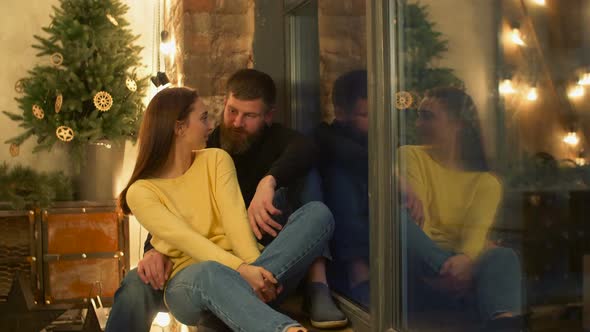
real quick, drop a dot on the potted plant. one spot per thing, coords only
(85, 93)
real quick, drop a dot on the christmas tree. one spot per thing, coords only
(86, 86)
(420, 44)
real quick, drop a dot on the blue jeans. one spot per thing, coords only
(216, 288)
(497, 274)
(221, 290)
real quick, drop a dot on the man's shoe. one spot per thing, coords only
(323, 312)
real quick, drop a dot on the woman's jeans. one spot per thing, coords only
(497, 280)
(210, 286)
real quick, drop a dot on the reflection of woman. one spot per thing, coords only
(450, 177)
(190, 201)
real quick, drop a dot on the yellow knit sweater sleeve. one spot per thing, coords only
(146, 203)
(232, 210)
(481, 214)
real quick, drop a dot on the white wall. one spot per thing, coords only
(24, 19)
(468, 25)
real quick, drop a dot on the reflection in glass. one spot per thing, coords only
(343, 148)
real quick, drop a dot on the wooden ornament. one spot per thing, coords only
(38, 112)
(19, 86)
(56, 59)
(58, 102)
(64, 133)
(14, 150)
(112, 19)
(103, 101)
(131, 85)
(403, 100)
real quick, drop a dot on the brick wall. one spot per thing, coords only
(343, 44)
(214, 39)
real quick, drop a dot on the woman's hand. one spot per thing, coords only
(262, 282)
(459, 269)
(414, 205)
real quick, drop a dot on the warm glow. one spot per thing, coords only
(576, 92)
(506, 87)
(532, 95)
(585, 79)
(168, 48)
(571, 139)
(539, 2)
(516, 37)
(162, 319)
(580, 161)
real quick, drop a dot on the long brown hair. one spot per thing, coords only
(156, 134)
(460, 106)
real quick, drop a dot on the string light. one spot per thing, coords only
(516, 37)
(167, 46)
(576, 92)
(532, 95)
(585, 79)
(506, 87)
(571, 139)
(162, 319)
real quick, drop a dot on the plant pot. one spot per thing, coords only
(101, 167)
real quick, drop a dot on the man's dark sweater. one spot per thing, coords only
(281, 152)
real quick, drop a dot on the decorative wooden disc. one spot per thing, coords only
(56, 59)
(58, 102)
(64, 133)
(112, 19)
(403, 100)
(38, 112)
(131, 85)
(19, 86)
(14, 150)
(103, 101)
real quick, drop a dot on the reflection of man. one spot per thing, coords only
(267, 156)
(344, 169)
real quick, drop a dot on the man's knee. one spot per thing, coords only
(319, 214)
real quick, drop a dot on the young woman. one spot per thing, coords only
(189, 199)
(447, 249)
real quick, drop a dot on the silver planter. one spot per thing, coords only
(101, 167)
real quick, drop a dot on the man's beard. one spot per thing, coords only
(237, 141)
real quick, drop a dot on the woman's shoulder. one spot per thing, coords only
(213, 154)
(489, 181)
(414, 151)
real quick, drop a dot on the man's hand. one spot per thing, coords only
(154, 269)
(262, 282)
(459, 269)
(261, 209)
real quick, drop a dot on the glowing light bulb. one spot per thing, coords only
(516, 37)
(506, 87)
(162, 319)
(585, 79)
(168, 48)
(539, 2)
(532, 95)
(576, 92)
(571, 139)
(580, 161)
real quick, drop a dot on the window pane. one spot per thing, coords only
(334, 80)
(492, 103)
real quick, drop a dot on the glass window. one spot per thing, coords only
(492, 101)
(328, 98)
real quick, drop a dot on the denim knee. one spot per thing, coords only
(500, 255)
(320, 215)
(133, 289)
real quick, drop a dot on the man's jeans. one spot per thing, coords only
(216, 288)
(497, 274)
